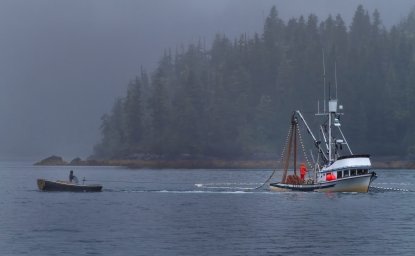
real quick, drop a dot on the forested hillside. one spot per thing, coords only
(234, 99)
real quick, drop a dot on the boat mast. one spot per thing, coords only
(333, 120)
(324, 83)
(330, 143)
(295, 148)
(335, 76)
(293, 130)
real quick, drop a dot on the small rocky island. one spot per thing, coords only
(162, 163)
(52, 160)
(58, 160)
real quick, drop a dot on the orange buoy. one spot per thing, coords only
(330, 177)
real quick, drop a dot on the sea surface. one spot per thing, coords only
(199, 212)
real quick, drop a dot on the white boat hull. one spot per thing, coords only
(359, 183)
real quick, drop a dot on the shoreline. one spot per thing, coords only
(202, 164)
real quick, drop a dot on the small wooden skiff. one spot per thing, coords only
(48, 185)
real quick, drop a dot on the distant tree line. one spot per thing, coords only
(235, 99)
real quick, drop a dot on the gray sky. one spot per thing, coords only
(63, 63)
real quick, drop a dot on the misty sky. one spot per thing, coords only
(63, 63)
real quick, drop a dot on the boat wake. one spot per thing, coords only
(237, 186)
(191, 191)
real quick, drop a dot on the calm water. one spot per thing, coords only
(199, 212)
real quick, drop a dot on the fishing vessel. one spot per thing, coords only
(332, 170)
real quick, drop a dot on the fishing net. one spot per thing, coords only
(294, 180)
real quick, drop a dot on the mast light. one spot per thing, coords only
(336, 122)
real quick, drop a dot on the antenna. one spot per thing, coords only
(318, 107)
(335, 76)
(329, 93)
(324, 82)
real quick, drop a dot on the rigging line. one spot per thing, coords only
(303, 148)
(382, 189)
(281, 158)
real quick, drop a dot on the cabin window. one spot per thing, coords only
(346, 173)
(359, 172)
(353, 172)
(339, 174)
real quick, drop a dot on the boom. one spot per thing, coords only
(317, 143)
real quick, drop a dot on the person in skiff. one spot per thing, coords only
(303, 171)
(72, 178)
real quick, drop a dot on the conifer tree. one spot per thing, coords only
(235, 99)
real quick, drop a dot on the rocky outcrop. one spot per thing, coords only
(77, 161)
(52, 160)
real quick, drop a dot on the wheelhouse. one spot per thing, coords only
(351, 172)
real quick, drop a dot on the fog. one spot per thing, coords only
(63, 63)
